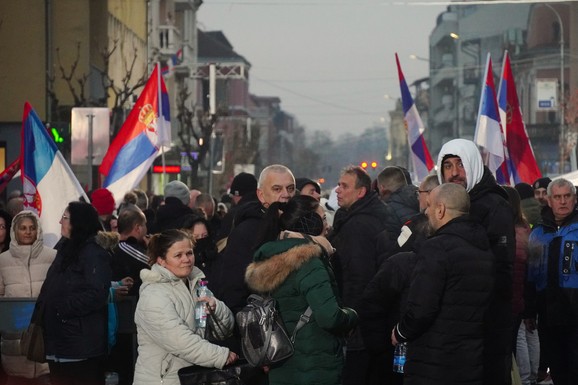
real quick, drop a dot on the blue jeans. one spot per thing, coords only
(527, 354)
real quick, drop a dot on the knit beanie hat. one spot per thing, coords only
(542, 183)
(525, 190)
(179, 190)
(243, 183)
(302, 182)
(103, 201)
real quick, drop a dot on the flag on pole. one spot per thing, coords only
(9, 173)
(47, 181)
(522, 166)
(489, 134)
(420, 156)
(139, 140)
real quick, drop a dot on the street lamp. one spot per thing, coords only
(562, 104)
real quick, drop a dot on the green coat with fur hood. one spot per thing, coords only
(297, 275)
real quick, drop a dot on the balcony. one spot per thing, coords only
(169, 41)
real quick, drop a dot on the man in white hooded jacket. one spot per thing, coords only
(460, 162)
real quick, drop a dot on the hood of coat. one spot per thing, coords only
(26, 250)
(17, 218)
(470, 156)
(108, 240)
(159, 274)
(274, 261)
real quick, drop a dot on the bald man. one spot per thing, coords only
(449, 295)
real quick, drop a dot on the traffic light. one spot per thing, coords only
(60, 132)
(365, 165)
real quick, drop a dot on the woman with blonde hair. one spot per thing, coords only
(23, 269)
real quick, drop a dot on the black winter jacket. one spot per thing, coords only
(446, 307)
(171, 215)
(75, 299)
(228, 273)
(490, 208)
(354, 236)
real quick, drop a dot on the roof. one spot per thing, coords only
(213, 45)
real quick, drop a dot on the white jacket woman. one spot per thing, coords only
(23, 269)
(168, 338)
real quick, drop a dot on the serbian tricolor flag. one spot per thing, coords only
(420, 156)
(139, 141)
(9, 173)
(489, 134)
(523, 166)
(47, 181)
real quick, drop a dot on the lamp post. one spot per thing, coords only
(561, 101)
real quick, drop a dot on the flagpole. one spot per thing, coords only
(160, 104)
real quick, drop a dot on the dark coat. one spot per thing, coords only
(402, 206)
(229, 218)
(354, 236)
(171, 215)
(128, 260)
(75, 299)
(227, 278)
(446, 306)
(490, 208)
(297, 276)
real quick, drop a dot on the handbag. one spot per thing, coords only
(32, 342)
(238, 373)
(215, 331)
(264, 339)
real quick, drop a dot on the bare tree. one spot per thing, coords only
(188, 135)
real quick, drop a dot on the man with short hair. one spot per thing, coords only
(359, 220)
(130, 254)
(206, 204)
(399, 195)
(427, 184)
(460, 162)
(449, 296)
(128, 260)
(553, 281)
(276, 184)
(540, 186)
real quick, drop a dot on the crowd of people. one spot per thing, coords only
(477, 279)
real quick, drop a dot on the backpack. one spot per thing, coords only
(264, 339)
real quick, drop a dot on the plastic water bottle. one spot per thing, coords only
(399, 357)
(111, 378)
(200, 307)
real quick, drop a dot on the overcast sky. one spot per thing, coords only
(331, 62)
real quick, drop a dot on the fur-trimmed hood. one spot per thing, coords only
(108, 240)
(274, 261)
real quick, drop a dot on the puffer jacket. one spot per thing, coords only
(448, 299)
(490, 208)
(295, 274)
(22, 272)
(168, 338)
